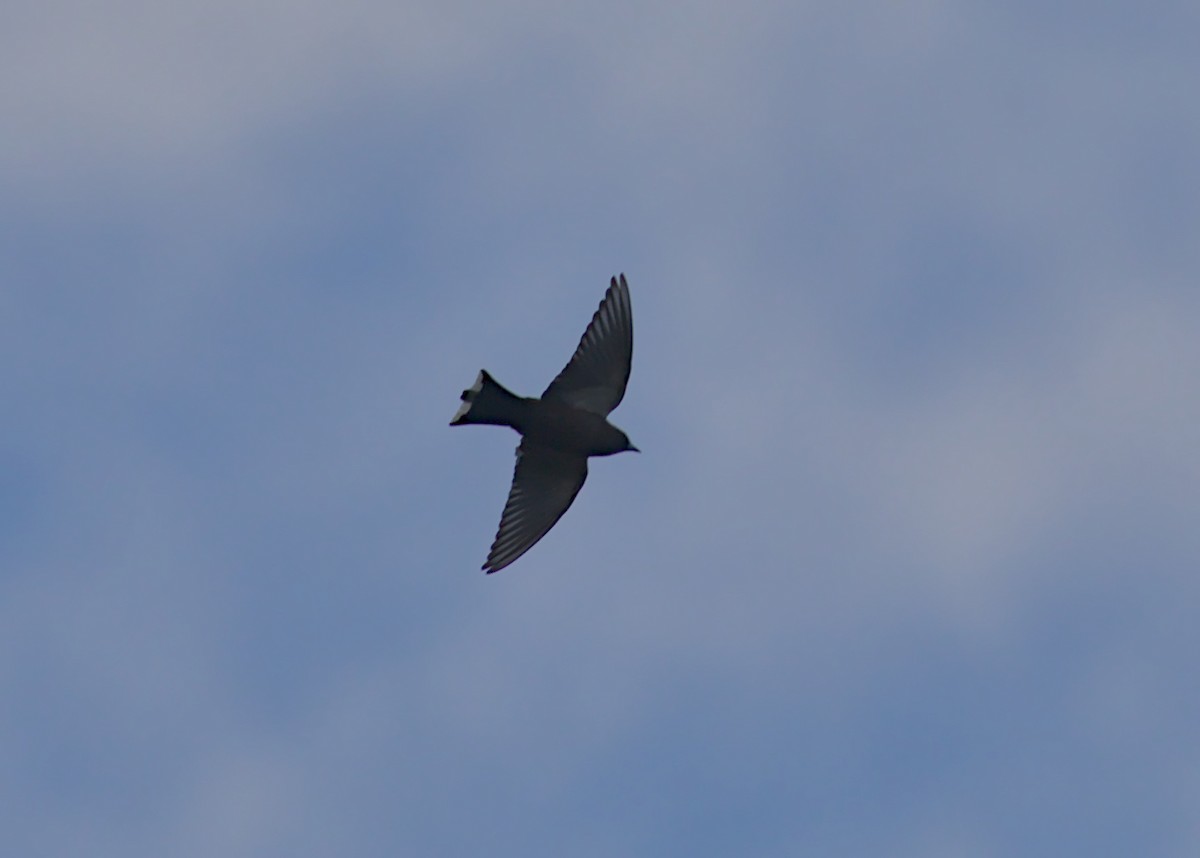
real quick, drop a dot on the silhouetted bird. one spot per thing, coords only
(561, 429)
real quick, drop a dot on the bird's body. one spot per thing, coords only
(560, 430)
(572, 430)
(552, 424)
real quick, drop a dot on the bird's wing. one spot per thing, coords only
(595, 377)
(544, 485)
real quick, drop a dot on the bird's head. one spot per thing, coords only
(611, 442)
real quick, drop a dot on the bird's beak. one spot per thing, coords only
(634, 449)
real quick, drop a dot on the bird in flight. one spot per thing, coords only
(560, 430)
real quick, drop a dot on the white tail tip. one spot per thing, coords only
(468, 396)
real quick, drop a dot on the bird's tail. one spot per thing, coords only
(487, 401)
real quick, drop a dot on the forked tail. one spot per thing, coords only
(487, 401)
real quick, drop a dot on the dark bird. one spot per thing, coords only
(560, 430)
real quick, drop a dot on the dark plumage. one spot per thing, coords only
(560, 430)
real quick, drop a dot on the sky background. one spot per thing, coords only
(908, 565)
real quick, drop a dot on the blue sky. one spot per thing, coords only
(908, 565)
